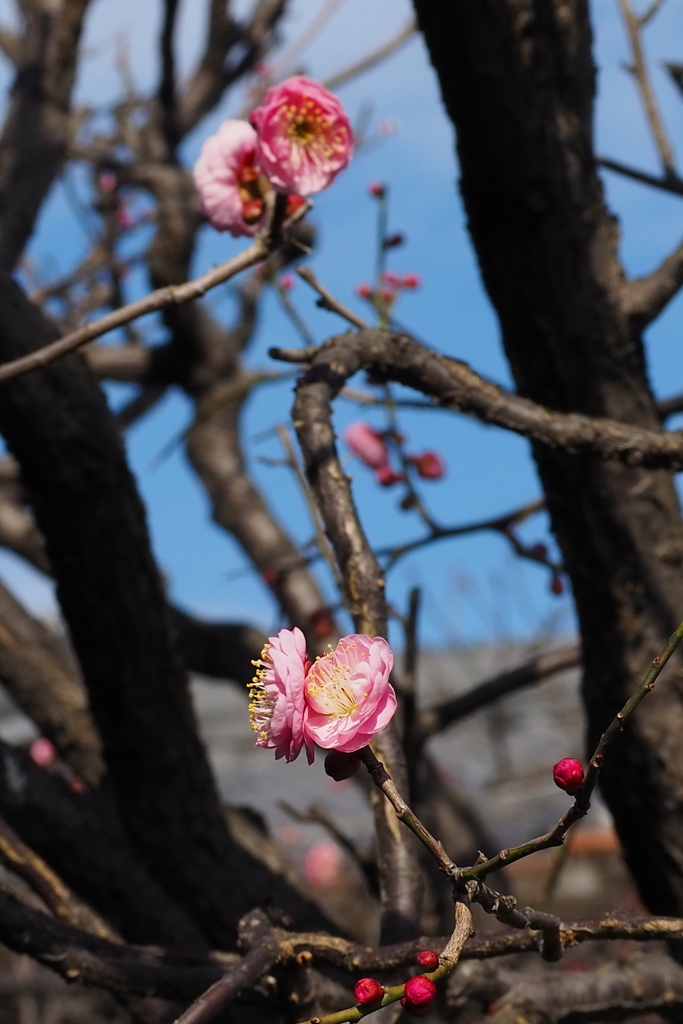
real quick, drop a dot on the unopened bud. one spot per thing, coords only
(368, 990)
(428, 958)
(411, 281)
(377, 189)
(429, 465)
(364, 291)
(420, 992)
(286, 282)
(568, 775)
(386, 476)
(556, 585)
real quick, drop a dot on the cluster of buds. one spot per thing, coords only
(371, 448)
(419, 991)
(384, 298)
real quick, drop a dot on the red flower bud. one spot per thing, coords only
(386, 476)
(368, 990)
(556, 585)
(420, 992)
(568, 775)
(321, 622)
(429, 465)
(428, 958)
(286, 282)
(538, 551)
(411, 281)
(364, 291)
(377, 189)
(391, 278)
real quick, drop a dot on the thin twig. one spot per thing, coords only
(582, 802)
(373, 58)
(634, 25)
(671, 183)
(327, 300)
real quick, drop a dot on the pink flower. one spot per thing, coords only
(43, 752)
(348, 694)
(304, 136)
(339, 702)
(387, 477)
(568, 775)
(367, 444)
(277, 701)
(230, 188)
(323, 864)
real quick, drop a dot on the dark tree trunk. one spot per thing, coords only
(517, 79)
(57, 424)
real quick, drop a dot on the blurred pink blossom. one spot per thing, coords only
(339, 702)
(367, 444)
(304, 136)
(387, 477)
(323, 864)
(43, 752)
(277, 701)
(227, 181)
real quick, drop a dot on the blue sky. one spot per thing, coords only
(474, 589)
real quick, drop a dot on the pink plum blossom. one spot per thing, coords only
(348, 694)
(277, 695)
(43, 752)
(304, 136)
(323, 864)
(230, 188)
(339, 702)
(367, 444)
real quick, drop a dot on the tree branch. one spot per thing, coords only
(645, 297)
(456, 386)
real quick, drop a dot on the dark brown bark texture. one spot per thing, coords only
(518, 81)
(73, 466)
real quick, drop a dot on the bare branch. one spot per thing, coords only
(151, 303)
(639, 69)
(166, 94)
(373, 58)
(671, 183)
(645, 297)
(456, 386)
(434, 720)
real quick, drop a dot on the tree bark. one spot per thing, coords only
(73, 465)
(517, 79)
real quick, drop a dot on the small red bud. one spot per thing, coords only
(420, 992)
(411, 281)
(340, 766)
(271, 576)
(429, 465)
(428, 958)
(556, 585)
(408, 502)
(364, 291)
(386, 476)
(568, 775)
(377, 189)
(387, 294)
(391, 278)
(252, 210)
(538, 551)
(368, 990)
(286, 282)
